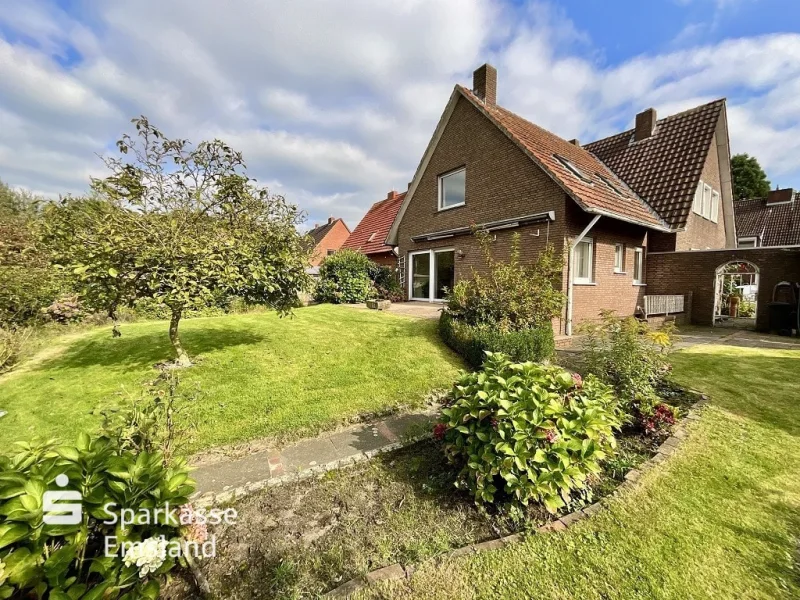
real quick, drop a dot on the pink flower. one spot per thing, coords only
(577, 380)
(552, 436)
(439, 430)
(191, 528)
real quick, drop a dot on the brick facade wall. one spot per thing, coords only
(695, 272)
(386, 259)
(332, 241)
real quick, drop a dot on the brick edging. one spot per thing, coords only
(666, 449)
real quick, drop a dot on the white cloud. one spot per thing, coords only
(333, 103)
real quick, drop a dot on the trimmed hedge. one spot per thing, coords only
(472, 342)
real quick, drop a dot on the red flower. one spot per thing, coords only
(552, 436)
(439, 430)
(577, 380)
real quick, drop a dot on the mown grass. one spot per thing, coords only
(720, 519)
(259, 375)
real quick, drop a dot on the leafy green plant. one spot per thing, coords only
(344, 278)
(527, 432)
(472, 342)
(69, 561)
(630, 356)
(387, 287)
(509, 295)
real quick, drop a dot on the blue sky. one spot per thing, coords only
(333, 103)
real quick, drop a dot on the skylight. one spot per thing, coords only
(613, 187)
(572, 168)
(372, 237)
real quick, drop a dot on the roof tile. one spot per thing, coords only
(775, 224)
(369, 235)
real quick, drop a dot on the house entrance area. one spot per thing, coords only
(736, 295)
(432, 274)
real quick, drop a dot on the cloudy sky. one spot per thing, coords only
(333, 102)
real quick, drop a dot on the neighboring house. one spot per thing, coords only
(327, 239)
(770, 221)
(369, 236)
(664, 185)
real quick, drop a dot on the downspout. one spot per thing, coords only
(571, 261)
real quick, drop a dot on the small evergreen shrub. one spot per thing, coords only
(525, 432)
(472, 342)
(344, 278)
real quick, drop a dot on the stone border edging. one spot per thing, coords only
(666, 449)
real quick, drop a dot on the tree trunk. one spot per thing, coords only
(112, 314)
(181, 358)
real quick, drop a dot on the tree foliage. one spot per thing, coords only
(749, 179)
(179, 224)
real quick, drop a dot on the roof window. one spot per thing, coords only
(572, 168)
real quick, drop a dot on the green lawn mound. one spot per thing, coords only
(259, 375)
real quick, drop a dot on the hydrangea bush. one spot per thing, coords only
(527, 432)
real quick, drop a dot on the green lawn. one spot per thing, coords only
(260, 375)
(720, 519)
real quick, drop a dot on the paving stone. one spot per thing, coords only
(490, 545)
(463, 551)
(347, 443)
(551, 527)
(394, 571)
(515, 538)
(347, 589)
(672, 441)
(301, 454)
(571, 518)
(232, 473)
(404, 425)
(593, 509)
(632, 475)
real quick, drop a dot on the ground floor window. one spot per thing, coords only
(638, 265)
(432, 274)
(584, 252)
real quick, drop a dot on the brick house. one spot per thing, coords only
(327, 239)
(664, 185)
(369, 236)
(770, 221)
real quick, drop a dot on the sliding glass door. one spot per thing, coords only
(432, 274)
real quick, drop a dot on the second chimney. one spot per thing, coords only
(330, 220)
(645, 124)
(391, 195)
(484, 84)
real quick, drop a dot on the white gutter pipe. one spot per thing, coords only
(571, 261)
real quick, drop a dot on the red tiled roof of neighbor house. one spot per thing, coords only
(592, 184)
(369, 235)
(775, 221)
(665, 166)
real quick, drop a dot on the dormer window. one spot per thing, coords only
(572, 168)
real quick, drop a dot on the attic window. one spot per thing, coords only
(613, 187)
(572, 168)
(372, 237)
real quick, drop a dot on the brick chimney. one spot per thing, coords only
(391, 195)
(330, 220)
(484, 84)
(575, 142)
(780, 196)
(645, 124)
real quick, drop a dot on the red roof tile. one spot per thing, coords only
(595, 187)
(369, 235)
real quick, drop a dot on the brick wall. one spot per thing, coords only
(386, 259)
(332, 241)
(695, 272)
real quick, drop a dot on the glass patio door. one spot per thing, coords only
(432, 274)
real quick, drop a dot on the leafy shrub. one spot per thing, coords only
(473, 341)
(384, 279)
(523, 431)
(344, 278)
(510, 296)
(68, 561)
(65, 310)
(12, 344)
(657, 420)
(630, 356)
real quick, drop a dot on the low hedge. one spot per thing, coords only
(472, 342)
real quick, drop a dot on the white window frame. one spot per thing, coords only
(619, 252)
(583, 280)
(707, 201)
(749, 238)
(697, 205)
(638, 261)
(432, 273)
(714, 206)
(441, 188)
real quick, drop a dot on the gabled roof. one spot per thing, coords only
(773, 224)
(370, 234)
(595, 187)
(665, 168)
(320, 231)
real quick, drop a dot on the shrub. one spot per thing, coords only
(387, 287)
(62, 561)
(630, 356)
(510, 296)
(473, 341)
(65, 310)
(523, 431)
(344, 278)
(12, 344)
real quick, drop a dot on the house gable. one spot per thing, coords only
(327, 238)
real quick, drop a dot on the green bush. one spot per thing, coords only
(122, 468)
(526, 432)
(344, 278)
(387, 287)
(630, 356)
(473, 341)
(510, 296)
